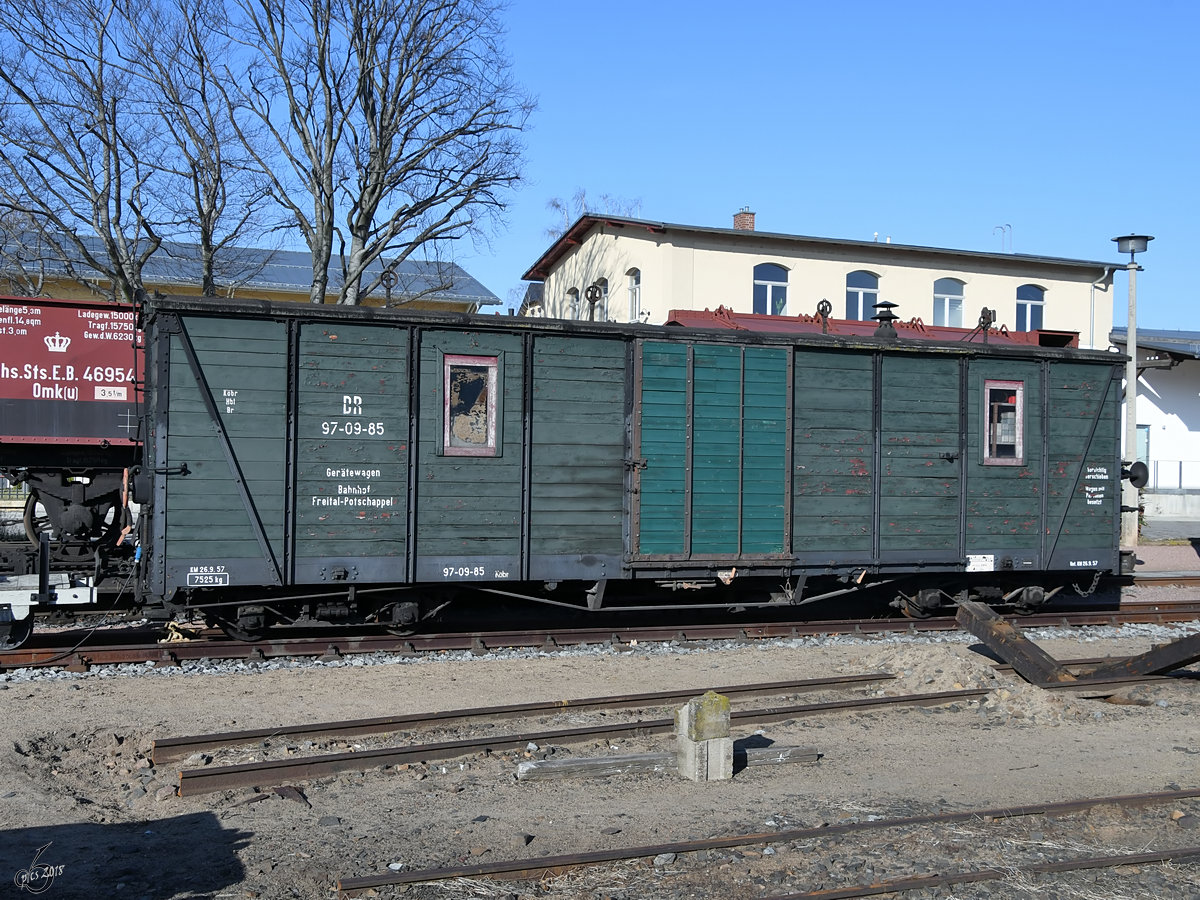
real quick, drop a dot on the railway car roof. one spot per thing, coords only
(914, 329)
(678, 327)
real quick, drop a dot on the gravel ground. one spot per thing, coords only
(76, 779)
(1174, 556)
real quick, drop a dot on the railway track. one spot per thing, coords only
(479, 721)
(275, 771)
(1167, 579)
(284, 769)
(169, 750)
(78, 651)
(856, 832)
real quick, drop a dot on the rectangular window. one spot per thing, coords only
(1004, 423)
(770, 299)
(858, 302)
(948, 311)
(760, 300)
(635, 296)
(470, 394)
(1029, 316)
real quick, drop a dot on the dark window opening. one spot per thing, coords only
(470, 406)
(1004, 429)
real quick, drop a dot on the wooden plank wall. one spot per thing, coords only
(470, 507)
(919, 422)
(577, 477)
(1004, 503)
(765, 504)
(716, 450)
(352, 443)
(662, 419)
(715, 483)
(833, 459)
(1082, 405)
(244, 363)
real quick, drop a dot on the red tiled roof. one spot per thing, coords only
(913, 329)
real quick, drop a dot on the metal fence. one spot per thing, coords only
(12, 506)
(12, 496)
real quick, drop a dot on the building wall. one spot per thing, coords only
(1169, 405)
(699, 271)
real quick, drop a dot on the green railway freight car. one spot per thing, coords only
(310, 463)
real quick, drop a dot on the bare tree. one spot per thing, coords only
(398, 117)
(128, 127)
(567, 212)
(77, 155)
(441, 117)
(23, 258)
(296, 73)
(218, 202)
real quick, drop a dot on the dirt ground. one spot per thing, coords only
(76, 782)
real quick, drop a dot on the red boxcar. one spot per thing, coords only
(68, 379)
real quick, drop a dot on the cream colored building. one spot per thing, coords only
(639, 270)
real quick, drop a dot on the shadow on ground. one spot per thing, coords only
(188, 856)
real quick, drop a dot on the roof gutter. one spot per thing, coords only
(1104, 279)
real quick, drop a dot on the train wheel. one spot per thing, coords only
(400, 619)
(248, 624)
(37, 520)
(14, 634)
(1031, 600)
(37, 523)
(921, 606)
(235, 632)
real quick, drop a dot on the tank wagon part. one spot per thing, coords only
(305, 464)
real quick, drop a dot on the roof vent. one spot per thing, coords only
(885, 317)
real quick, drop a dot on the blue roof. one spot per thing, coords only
(1178, 342)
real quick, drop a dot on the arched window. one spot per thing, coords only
(572, 310)
(862, 293)
(770, 289)
(633, 279)
(599, 311)
(1031, 300)
(948, 302)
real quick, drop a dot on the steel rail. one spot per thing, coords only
(920, 882)
(533, 868)
(169, 749)
(173, 653)
(1155, 579)
(257, 774)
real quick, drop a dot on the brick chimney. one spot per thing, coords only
(743, 220)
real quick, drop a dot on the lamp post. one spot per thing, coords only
(1132, 244)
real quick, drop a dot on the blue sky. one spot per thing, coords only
(931, 122)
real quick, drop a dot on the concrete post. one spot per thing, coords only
(704, 747)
